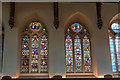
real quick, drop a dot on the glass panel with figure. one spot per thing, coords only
(44, 54)
(86, 52)
(69, 54)
(78, 55)
(25, 54)
(35, 46)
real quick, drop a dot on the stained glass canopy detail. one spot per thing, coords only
(116, 27)
(76, 27)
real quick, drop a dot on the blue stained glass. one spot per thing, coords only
(35, 51)
(68, 43)
(69, 54)
(117, 43)
(35, 45)
(76, 27)
(116, 27)
(78, 57)
(35, 26)
(112, 54)
(39, 50)
(86, 50)
(26, 45)
(44, 54)
(25, 54)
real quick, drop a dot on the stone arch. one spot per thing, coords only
(113, 34)
(33, 16)
(81, 18)
(24, 22)
(115, 18)
(85, 22)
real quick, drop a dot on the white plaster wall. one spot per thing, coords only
(103, 54)
(99, 38)
(10, 44)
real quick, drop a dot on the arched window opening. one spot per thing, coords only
(77, 49)
(114, 41)
(34, 57)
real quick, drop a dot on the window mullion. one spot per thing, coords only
(65, 53)
(82, 55)
(39, 54)
(115, 55)
(74, 69)
(90, 55)
(30, 57)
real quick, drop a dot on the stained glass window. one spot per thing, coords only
(35, 46)
(77, 49)
(117, 43)
(86, 50)
(112, 54)
(76, 27)
(25, 54)
(116, 27)
(34, 49)
(69, 54)
(114, 41)
(35, 26)
(78, 56)
(44, 54)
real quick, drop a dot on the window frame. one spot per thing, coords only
(39, 34)
(113, 35)
(81, 35)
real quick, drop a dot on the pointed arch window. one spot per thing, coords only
(77, 49)
(34, 56)
(114, 41)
